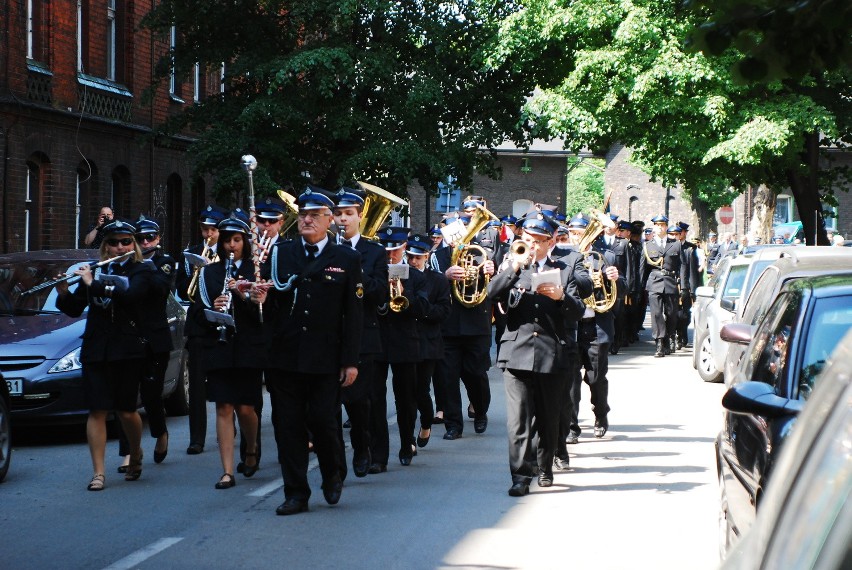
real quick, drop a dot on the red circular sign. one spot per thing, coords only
(725, 215)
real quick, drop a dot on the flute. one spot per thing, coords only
(73, 278)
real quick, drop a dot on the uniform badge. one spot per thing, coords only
(167, 269)
(359, 290)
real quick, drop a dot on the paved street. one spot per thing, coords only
(644, 496)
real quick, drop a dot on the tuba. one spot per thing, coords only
(377, 206)
(605, 300)
(473, 289)
(292, 211)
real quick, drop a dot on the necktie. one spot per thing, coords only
(347, 242)
(311, 251)
(111, 268)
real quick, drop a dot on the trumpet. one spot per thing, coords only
(519, 251)
(223, 330)
(208, 254)
(398, 301)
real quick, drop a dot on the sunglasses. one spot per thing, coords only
(123, 241)
(147, 237)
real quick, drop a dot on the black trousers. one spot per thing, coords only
(594, 359)
(532, 406)
(300, 403)
(684, 316)
(356, 399)
(404, 382)
(568, 420)
(663, 314)
(151, 394)
(425, 371)
(466, 358)
(197, 392)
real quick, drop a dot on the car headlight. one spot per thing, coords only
(67, 363)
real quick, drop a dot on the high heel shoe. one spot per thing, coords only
(422, 441)
(134, 468)
(160, 456)
(249, 470)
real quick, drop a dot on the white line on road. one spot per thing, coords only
(143, 554)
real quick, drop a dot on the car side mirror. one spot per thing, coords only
(729, 305)
(759, 398)
(737, 333)
(704, 291)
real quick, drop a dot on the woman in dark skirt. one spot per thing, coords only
(234, 355)
(114, 347)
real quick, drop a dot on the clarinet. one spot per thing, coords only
(223, 330)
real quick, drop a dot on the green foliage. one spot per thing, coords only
(585, 185)
(375, 90)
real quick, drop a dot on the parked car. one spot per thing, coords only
(790, 231)
(793, 262)
(40, 346)
(805, 518)
(5, 429)
(785, 355)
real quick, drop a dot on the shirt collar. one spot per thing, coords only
(320, 244)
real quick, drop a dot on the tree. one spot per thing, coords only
(336, 91)
(585, 185)
(625, 75)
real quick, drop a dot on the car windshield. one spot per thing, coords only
(734, 284)
(831, 320)
(17, 280)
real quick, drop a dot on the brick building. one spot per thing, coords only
(73, 126)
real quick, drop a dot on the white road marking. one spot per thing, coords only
(143, 554)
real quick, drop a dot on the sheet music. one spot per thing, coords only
(550, 277)
(398, 270)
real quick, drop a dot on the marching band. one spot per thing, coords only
(323, 317)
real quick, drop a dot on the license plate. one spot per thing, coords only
(16, 386)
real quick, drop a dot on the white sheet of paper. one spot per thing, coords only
(398, 270)
(550, 276)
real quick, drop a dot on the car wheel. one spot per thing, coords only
(5, 437)
(726, 532)
(178, 403)
(706, 365)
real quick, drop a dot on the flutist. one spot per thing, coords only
(234, 356)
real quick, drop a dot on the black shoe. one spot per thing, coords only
(470, 413)
(572, 438)
(561, 464)
(437, 420)
(405, 460)
(600, 428)
(519, 490)
(545, 480)
(249, 470)
(422, 441)
(122, 468)
(241, 467)
(292, 507)
(659, 352)
(613, 349)
(361, 464)
(452, 433)
(160, 456)
(348, 423)
(480, 424)
(376, 468)
(194, 449)
(226, 481)
(332, 492)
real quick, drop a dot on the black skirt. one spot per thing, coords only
(235, 386)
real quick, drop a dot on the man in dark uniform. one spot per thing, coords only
(208, 219)
(348, 212)
(315, 313)
(661, 264)
(400, 353)
(713, 251)
(609, 240)
(686, 289)
(638, 302)
(431, 342)
(537, 350)
(467, 343)
(507, 236)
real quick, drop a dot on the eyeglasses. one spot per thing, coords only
(123, 241)
(313, 215)
(147, 237)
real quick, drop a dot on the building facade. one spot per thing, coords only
(74, 132)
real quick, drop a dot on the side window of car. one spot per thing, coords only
(769, 357)
(734, 283)
(760, 297)
(831, 320)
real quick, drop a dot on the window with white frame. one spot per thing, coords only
(174, 84)
(783, 209)
(36, 30)
(829, 214)
(111, 40)
(80, 36)
(196, 83)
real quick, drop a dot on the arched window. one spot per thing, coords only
(38, 172)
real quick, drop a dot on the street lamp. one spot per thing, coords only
(630, 207)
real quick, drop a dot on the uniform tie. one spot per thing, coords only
(347, 242)
(311, 251)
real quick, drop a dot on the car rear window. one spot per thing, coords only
(831, 320)
(734, 284)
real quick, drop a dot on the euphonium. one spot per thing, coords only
(377, 206)
(473, 289)
(398, 302)
(207, 253)
(605, 300)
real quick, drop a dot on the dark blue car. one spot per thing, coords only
(40, 346)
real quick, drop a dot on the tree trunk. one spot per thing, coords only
(805, 189)
(763, 212)
(706, 221)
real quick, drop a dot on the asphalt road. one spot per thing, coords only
(644, 496)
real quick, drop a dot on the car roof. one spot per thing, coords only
(814, 261)
(50, 255)
(823, 285)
